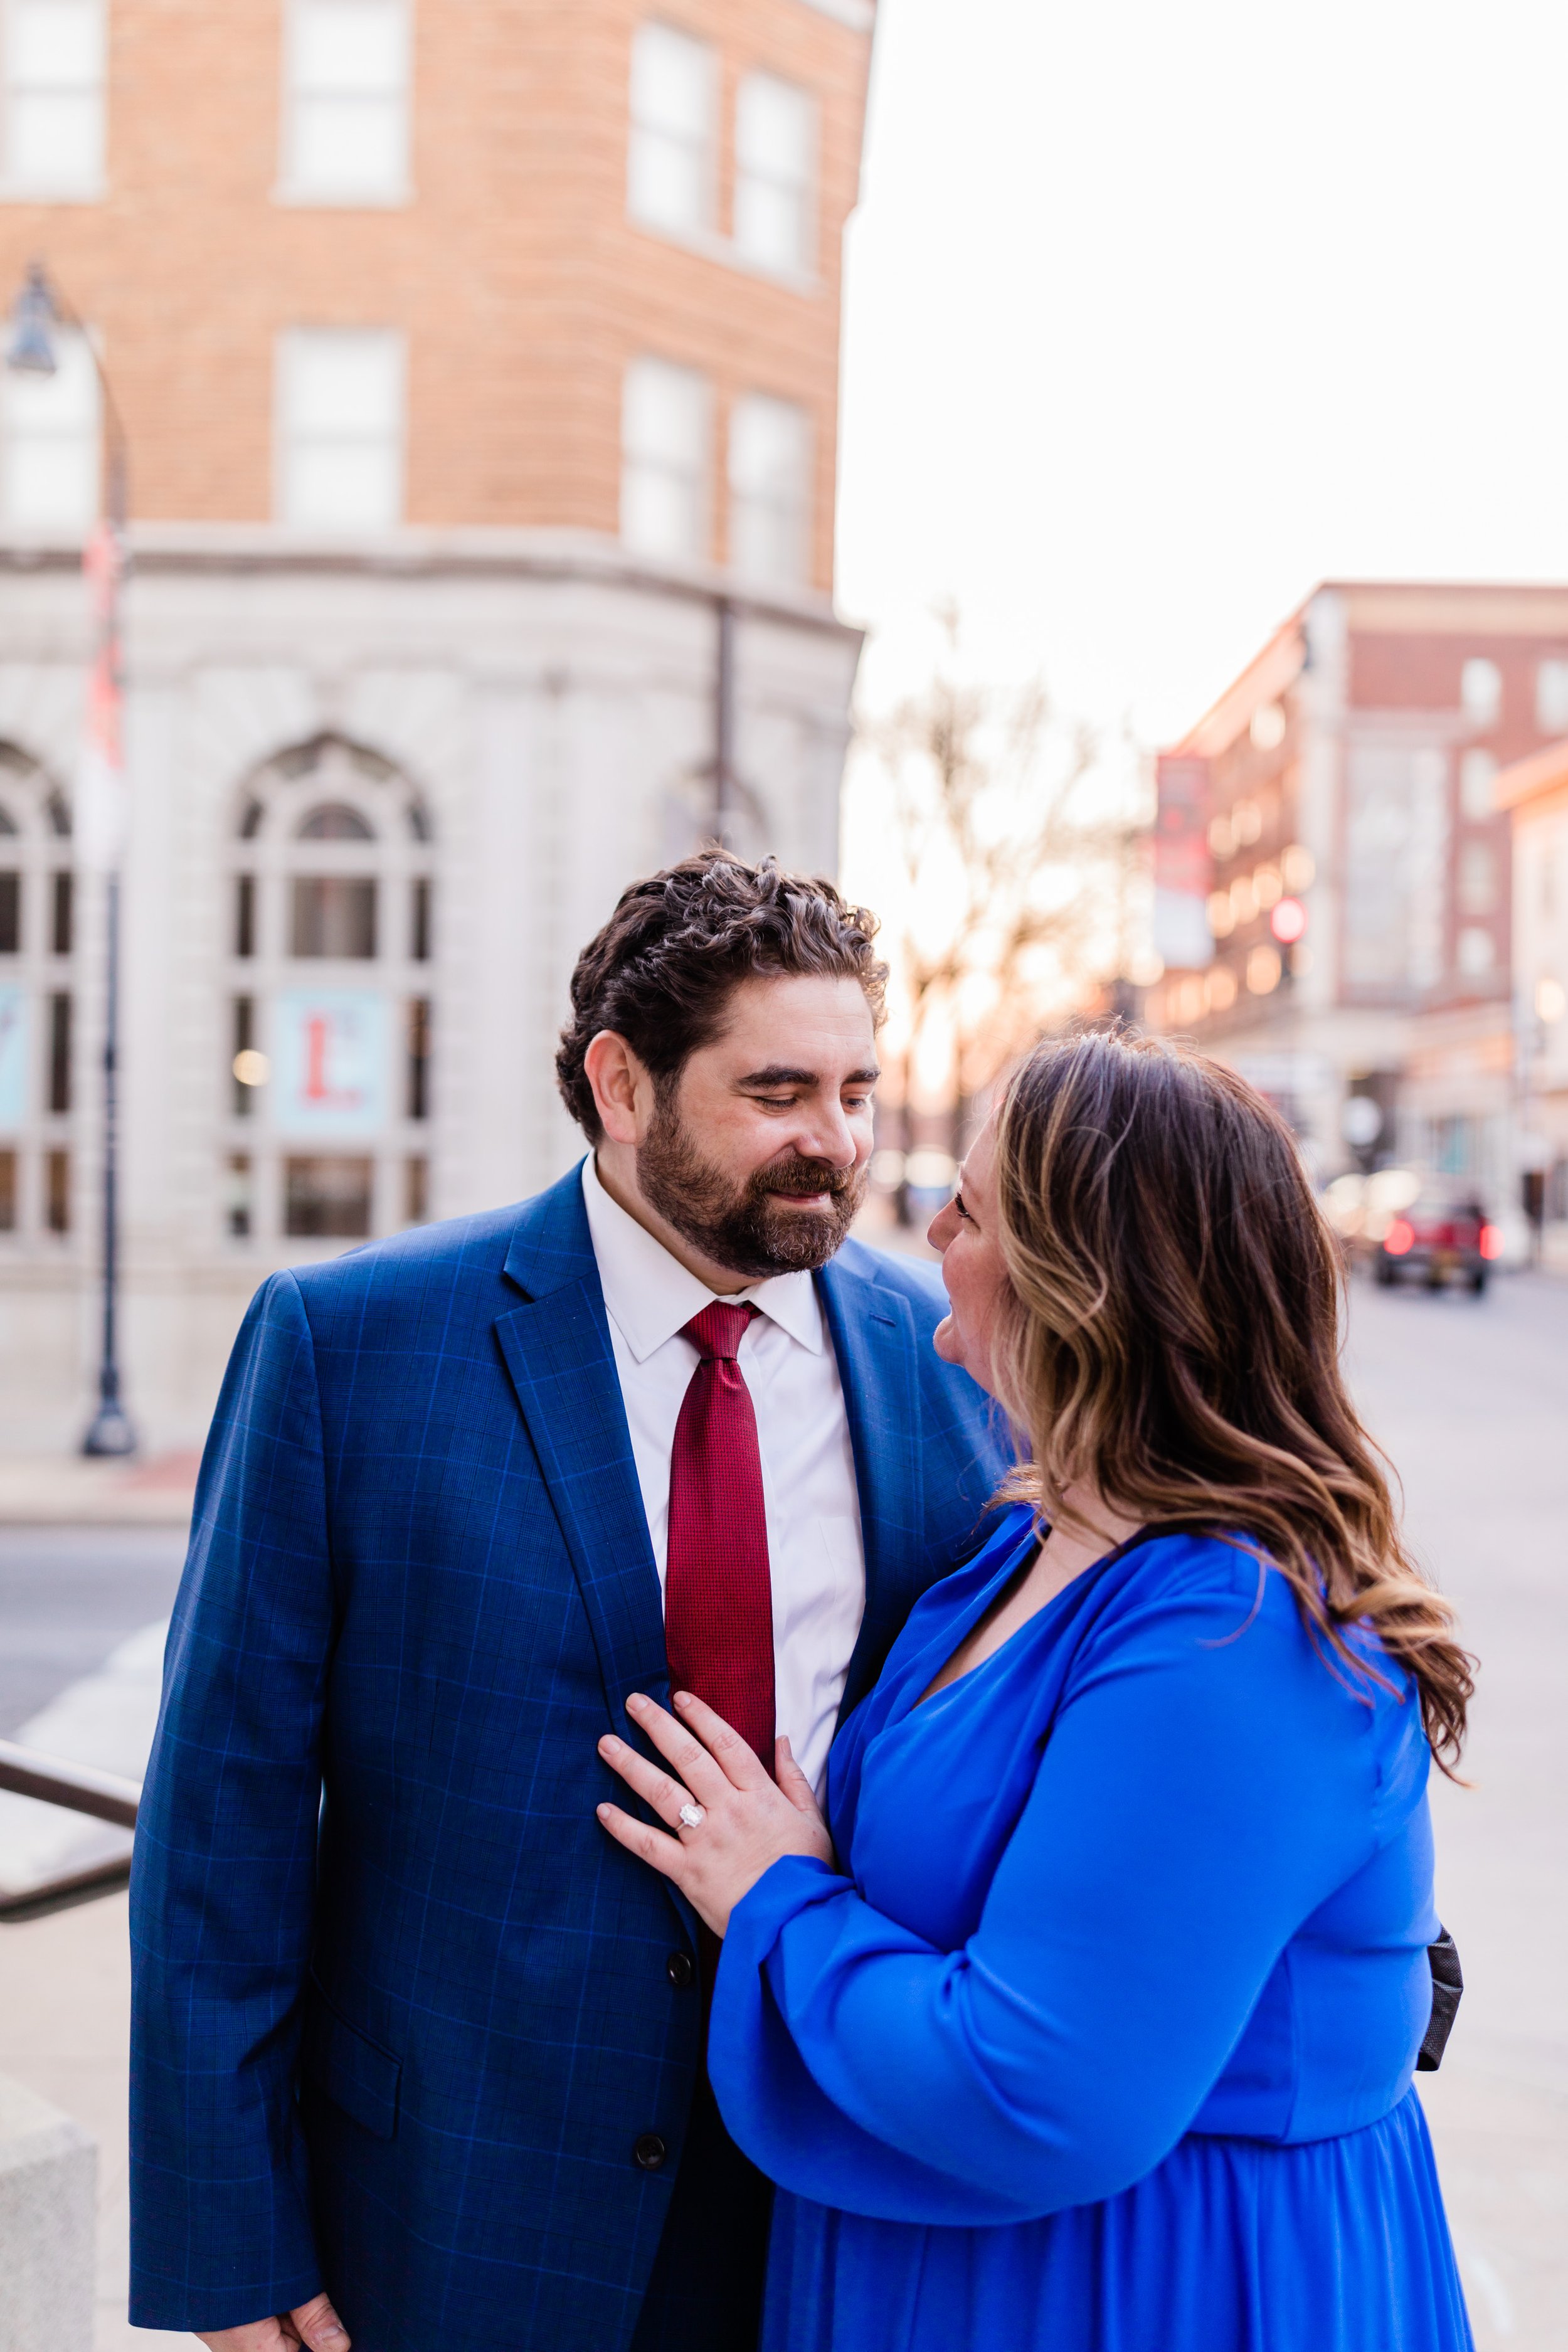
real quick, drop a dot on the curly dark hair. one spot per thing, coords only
(661, 971)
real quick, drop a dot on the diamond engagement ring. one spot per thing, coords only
(692, 1816)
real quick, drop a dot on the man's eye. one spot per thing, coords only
(856, 1102)
(775, 1102)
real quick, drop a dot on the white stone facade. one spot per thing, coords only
(539, 706)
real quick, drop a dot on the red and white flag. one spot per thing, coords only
(101, 810)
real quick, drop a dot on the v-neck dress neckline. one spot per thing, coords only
(1011, 1568)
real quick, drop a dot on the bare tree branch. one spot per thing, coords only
(1013, 876)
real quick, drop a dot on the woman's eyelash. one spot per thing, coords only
(958, 1204)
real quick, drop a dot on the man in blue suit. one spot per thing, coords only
(417, 2049)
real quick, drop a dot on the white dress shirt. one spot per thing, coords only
(816, 1555)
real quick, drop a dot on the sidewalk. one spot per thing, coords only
(65, 1490)
(64, 2024)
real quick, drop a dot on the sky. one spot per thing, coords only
(1158, 315)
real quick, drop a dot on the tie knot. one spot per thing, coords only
(718, 1332)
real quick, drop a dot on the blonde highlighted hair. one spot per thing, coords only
(1172, 1340)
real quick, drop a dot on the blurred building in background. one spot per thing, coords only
(1346, 937)
(1534, 792)
(478, 369)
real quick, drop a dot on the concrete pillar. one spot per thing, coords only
(49, 2185)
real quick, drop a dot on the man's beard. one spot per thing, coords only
(742, 1226)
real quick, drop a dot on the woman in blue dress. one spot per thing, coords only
(1087, 2021)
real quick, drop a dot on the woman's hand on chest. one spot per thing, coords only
(730, 1821)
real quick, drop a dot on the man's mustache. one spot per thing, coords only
(797, 1176)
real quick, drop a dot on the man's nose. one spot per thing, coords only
(828, 1137)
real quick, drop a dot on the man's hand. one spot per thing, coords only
(315, 2325)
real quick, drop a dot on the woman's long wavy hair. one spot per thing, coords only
(1172, 1339)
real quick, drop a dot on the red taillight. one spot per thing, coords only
(1400, 1237)
(1491, 1242)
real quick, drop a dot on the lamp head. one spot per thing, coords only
(30, 348)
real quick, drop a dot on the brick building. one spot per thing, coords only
(477, 365)
(1358, 888)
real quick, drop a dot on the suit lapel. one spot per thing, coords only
(557, 1351)
(874, 1339)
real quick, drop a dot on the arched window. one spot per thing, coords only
(38, 1003)
(332, 938)
(334, 821)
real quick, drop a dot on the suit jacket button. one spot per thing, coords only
(650, 2151)
(678, 1969)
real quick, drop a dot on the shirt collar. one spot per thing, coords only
(650, 1295)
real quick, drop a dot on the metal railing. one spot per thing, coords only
(79, 1788)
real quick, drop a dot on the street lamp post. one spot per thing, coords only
(35, 316)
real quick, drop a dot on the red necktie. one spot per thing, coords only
(718, 1592)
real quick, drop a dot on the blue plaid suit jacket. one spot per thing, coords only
(401, 2008)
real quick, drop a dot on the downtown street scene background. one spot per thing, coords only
(1094, 487)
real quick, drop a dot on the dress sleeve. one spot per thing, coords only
(1202, 1792)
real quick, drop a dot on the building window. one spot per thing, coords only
(49, 462)
(36, 1005)
(237, 1199)
(8, 1192)
(770, 490)
(58, 1191)
(54, 75)
(1478, 880)
(1480, 691)
(416, 1189)
(340, 428)
(247, 1067)
(60, 1071)
(1477, 951)
(776, 172)
(674, 114)
(328, 1047)
(328, 1199)
(666, 428)
(417, 1083)
(1551, 696)
(334, 916)
(1478, 774)
(345, 112)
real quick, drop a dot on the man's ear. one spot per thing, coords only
(623, 1088)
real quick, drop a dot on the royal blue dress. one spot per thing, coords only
(1102, 2039)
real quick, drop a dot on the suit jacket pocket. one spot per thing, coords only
(353, 2071)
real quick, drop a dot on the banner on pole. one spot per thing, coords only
(100, 810)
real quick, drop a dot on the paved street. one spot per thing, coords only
(68, 1595)
(1471, 1399)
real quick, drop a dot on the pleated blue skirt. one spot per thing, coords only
(1230, 2246)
